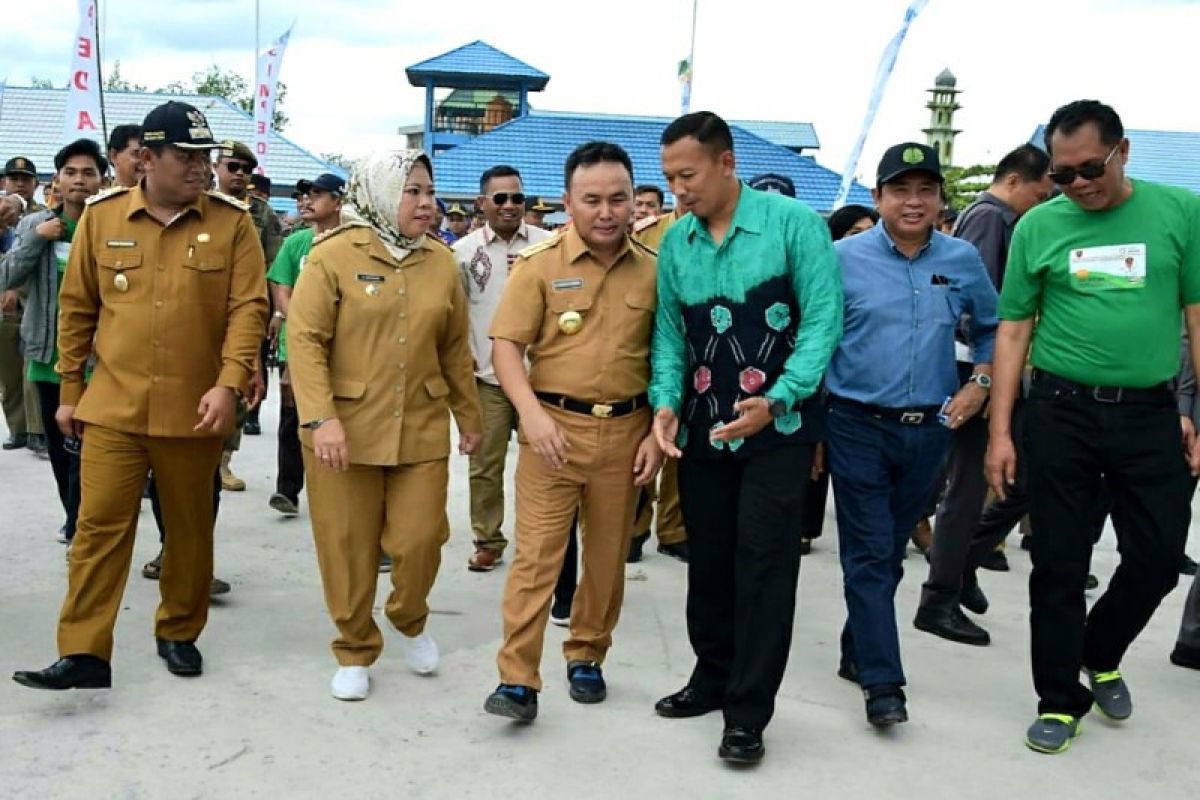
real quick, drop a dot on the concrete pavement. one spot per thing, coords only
(260, 723)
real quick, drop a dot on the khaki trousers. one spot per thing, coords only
(12, 375)
(487, 468)
(112, 474)
(669, 528)
(598, 482)
(359, 514)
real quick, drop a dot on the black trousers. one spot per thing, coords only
(64, 465)
(290, 477)
(743, 523)
(1076, 447)
(812, 517)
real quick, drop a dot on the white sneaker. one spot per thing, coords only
(421, 653)
(351, 683)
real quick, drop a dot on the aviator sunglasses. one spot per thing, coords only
(1089, 171)
(500, 198)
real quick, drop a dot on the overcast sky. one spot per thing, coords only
(800, 60)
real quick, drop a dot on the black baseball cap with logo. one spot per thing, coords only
(177, 124)
(327, 182)
(902, 159)
(539, 205)
(260, 183)
(20, 166)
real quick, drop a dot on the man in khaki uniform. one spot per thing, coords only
(672, 537)
(165, 283)
(581, 306)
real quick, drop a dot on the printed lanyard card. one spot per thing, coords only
(1119, 266)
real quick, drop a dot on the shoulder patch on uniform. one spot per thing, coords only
(107, 193)
(332, 232)
(438, 244)
(233, 201)
(643, 224)
(542, 246)
(638, 244)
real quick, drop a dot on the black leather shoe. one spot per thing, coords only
(886, 706)
(69, 672)
(677, 551)
(15, 442)
(1187, 566)
(635, 547)
(1184, 656)
(742, 746)
(952, 624)
(682, 704)
(848, 670)
(252, 428)
(182, 658)
(995, 561)
(973, 599)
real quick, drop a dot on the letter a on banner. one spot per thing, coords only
(83, 91)
(266, 85)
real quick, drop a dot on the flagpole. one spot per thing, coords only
(100, 76)
(257, 45)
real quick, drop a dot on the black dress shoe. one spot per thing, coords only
(847, 670)
(1187, 566)
(973, 599)
(69, 672)
(252, 428)
(886, 706)
(635, 547)
(15, 442)
(182, 658)
(952, 624)
(995, 561)
(742, 746)
(1184, 656)
(677, 551)
(684, 703)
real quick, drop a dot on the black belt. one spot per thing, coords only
(905, 416)
(1100, 394)
(601, 410)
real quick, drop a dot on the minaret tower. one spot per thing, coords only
(941, 132)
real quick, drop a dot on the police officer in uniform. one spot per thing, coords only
(165, 283)
(581, 306)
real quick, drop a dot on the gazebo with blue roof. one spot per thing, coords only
(474, 66)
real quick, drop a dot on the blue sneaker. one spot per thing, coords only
(587, 683)
(514, 702)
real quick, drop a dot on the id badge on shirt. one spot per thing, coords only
(1118, 266)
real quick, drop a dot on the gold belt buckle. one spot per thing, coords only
(602, 411)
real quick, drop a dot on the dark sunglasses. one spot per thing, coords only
(500, 198)
(239, 166)
(1089, 171)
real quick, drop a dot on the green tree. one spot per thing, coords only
(963, 184)
(115, 81)
(338, 160)
(217, 82)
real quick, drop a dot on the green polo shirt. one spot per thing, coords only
(38, 371)
(285, 270)
(1107, 287)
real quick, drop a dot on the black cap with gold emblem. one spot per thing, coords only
(902, 159)
(177, 124)
(20, 166)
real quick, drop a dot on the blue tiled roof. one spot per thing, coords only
(792, 135)
(538, 145)
(1170, 157)
(477, 65)
(31, 122)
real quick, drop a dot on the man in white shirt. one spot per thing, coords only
(485, 257)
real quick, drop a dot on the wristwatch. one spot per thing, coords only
(983, 379)
(777, 407)
(279, 314)
(316, 423)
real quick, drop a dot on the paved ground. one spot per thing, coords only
(260, 722)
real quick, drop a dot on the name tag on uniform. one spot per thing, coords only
(1118, 266)
(566, 284)
(121, 243)
(370, 278)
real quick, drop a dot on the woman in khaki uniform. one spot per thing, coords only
(379, 356)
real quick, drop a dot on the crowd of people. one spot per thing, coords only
(707, 372)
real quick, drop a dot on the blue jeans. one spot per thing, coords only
(883, 472)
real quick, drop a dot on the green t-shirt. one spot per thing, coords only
(38, 371)
(285, 270)
(1107, 287)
